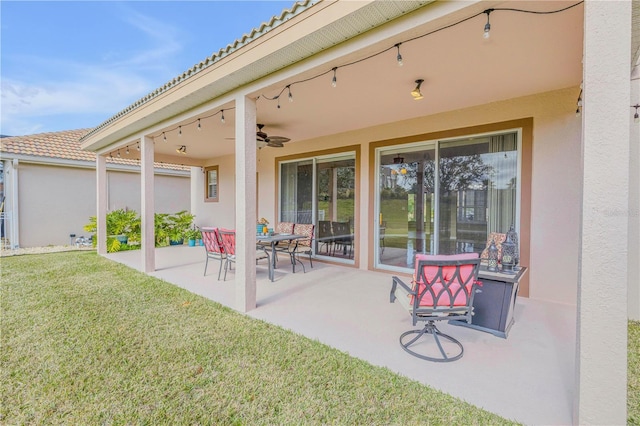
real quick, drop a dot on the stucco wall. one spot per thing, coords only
(222, 213)
(55, 202)
(556, 179)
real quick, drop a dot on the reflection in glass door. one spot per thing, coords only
(406, 205)
(446, 197)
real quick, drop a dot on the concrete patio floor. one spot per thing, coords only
(528, 377)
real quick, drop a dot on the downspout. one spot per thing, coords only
(14, 226)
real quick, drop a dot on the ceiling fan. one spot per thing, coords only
(272, 141)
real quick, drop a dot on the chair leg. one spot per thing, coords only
(220, 268)
(430, 328)
(205, 267)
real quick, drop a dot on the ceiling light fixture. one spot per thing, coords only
(182, 149)
(417, 95)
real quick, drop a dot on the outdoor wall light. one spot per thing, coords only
(417, 95)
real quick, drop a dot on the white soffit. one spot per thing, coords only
(367, 18)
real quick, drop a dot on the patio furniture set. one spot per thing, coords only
(457, 289)
(335, 236)
(292, 239)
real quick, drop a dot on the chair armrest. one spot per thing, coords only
(394, 283)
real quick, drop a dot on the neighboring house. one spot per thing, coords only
(469, 136)
(48, 186)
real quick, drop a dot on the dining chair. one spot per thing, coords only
(302, 245)
(342, 237)
(213, 247)
(228, 238)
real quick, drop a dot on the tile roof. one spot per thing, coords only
(64, 145)
(297, 8)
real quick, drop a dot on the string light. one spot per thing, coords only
(127, 151)
(636, 116)
(119, 154)
(138, 147)
(399, 57)
(487, 27)
(579, 103)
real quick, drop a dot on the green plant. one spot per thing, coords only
(119, 222)
(192, 234)
(178, 224)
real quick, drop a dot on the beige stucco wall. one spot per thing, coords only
(55, 202)
(220, 214)
(633, 296)
(555, 181)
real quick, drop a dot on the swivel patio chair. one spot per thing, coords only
(213, 247)
(228, 239)
(443, 290)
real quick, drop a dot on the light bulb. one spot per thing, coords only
(127, 151)
(334, 81)
(222, 116)
(138, 147)
(199, 127)
(179, 130)
(487, 28)
(399, 57)
(164, 137)
(290, 95)
(636, 117)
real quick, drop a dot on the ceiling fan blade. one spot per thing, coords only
(274, 144)
(279, 139)
(261, 134)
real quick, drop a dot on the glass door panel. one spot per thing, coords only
(296, 182)
(406, 206)
(335, 192)
(478, 184)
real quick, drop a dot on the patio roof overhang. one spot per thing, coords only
(460, 69)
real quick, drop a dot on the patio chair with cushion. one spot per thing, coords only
(228, 238)
(213, 247)
(302, 245)
(442, 290)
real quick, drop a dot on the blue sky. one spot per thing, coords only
(70, 65)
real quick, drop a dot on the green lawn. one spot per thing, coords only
(89, 341)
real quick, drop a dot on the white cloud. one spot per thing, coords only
(68, 89)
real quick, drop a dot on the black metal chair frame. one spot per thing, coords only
(437, 309)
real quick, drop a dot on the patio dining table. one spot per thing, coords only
(273, 240)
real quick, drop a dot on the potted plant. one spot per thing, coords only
(191, 235)
(178, 224)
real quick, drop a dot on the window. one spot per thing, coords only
(445, 197)
(212, 185)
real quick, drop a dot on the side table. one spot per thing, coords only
(493, 307)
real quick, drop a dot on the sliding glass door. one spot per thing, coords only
(445, 197)
(321, 190)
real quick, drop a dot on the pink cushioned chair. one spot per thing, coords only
(443, 290)
(213, 247)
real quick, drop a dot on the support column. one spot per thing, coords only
(101, 207)
(245, 203)
(147, 204)
(601, 346)
(634, 199)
